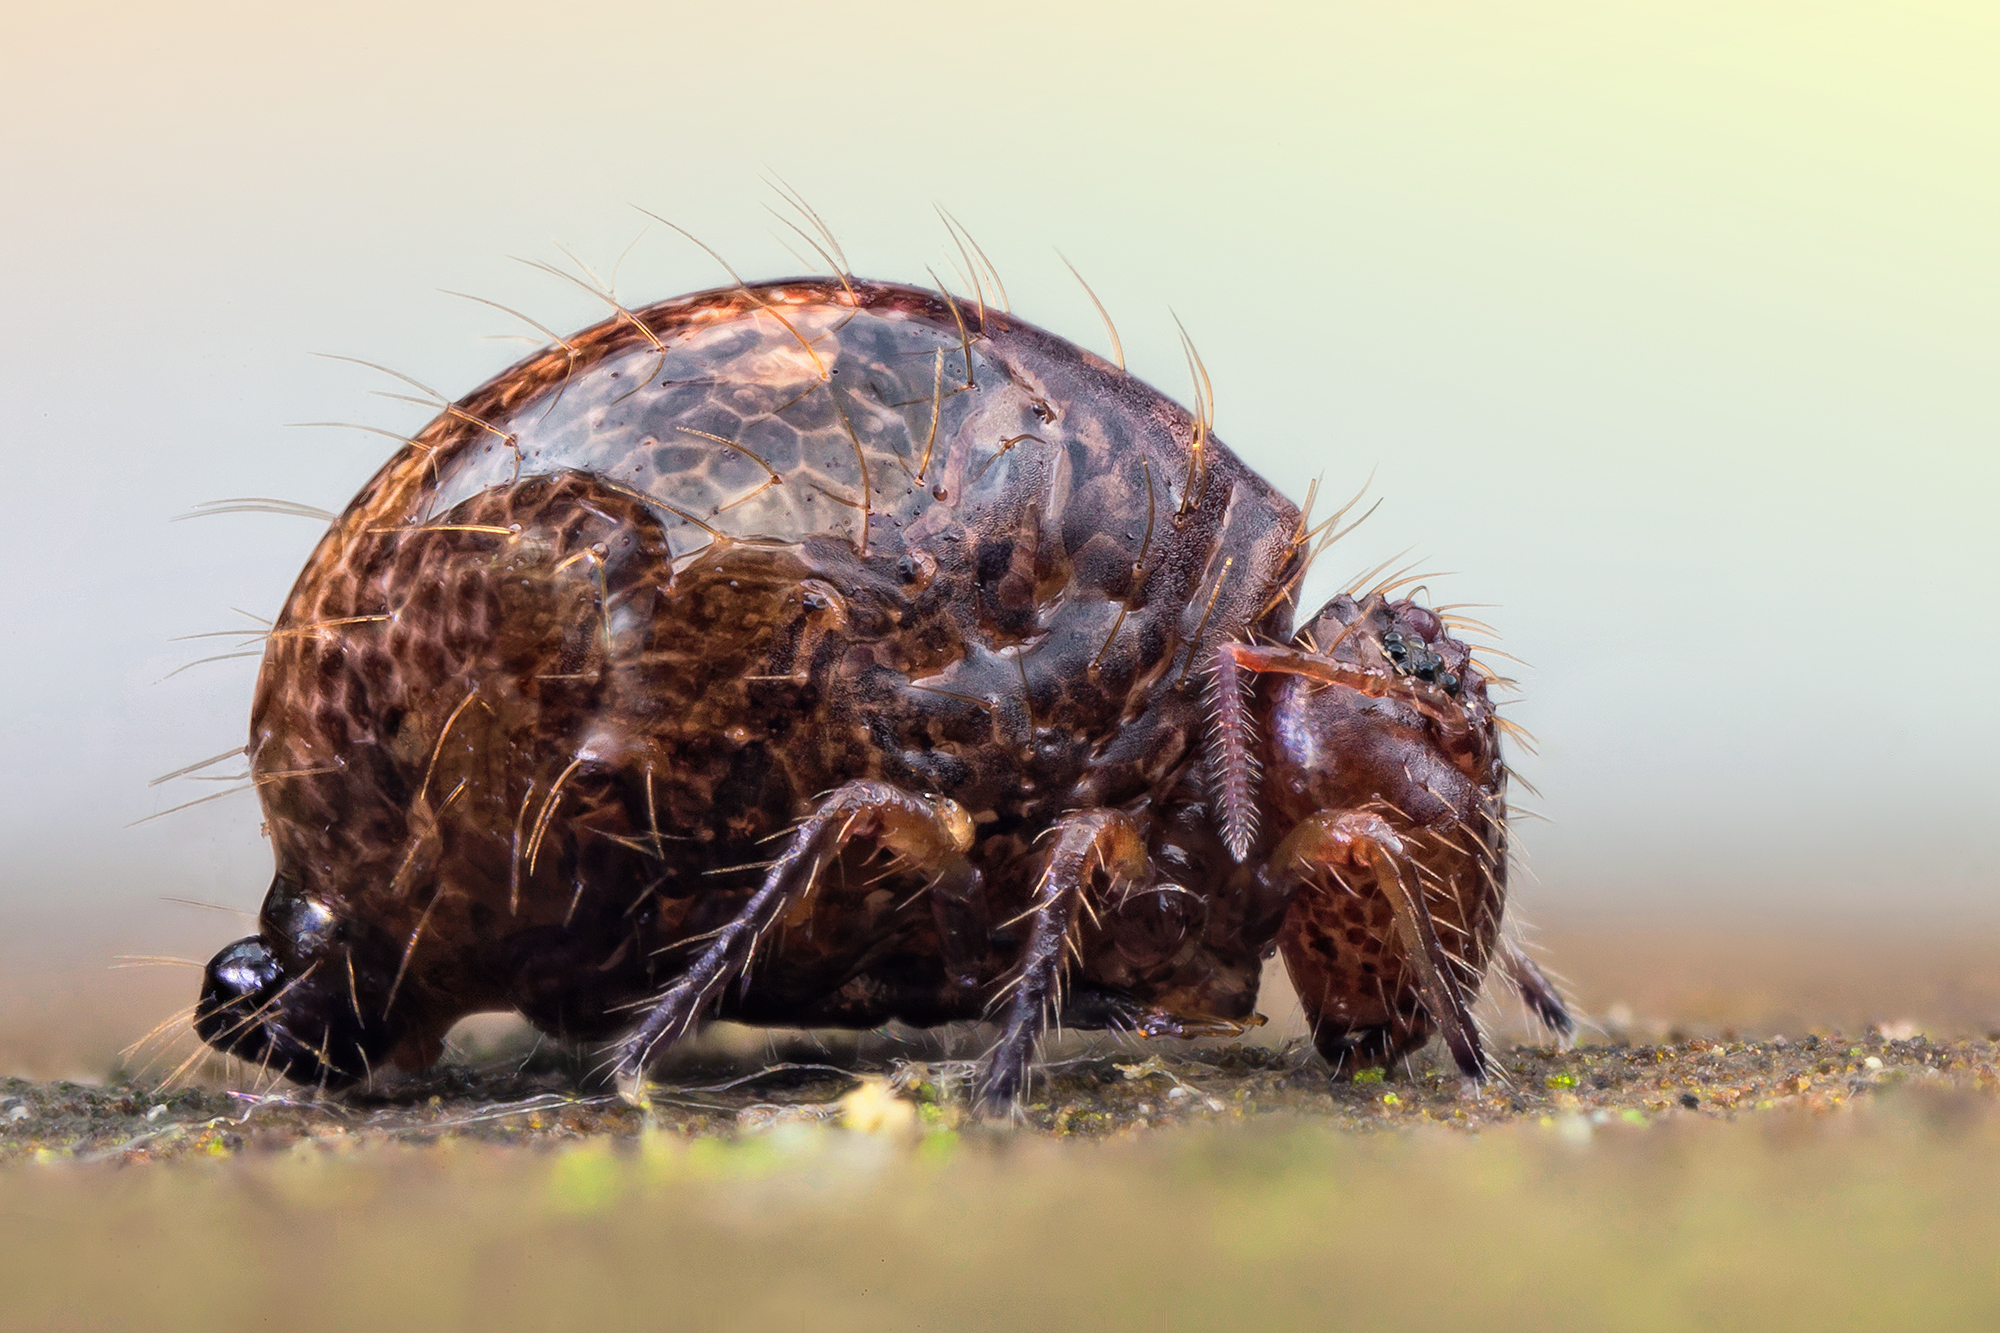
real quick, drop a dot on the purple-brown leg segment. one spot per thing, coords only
(1354, 848)
(1082, 843)
(928, 831)
(1537, 991)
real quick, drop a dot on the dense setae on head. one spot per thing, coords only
(1394, 718)
(1358, 769)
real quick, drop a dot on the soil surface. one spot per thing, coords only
(1666, 1174)
(1132, 1090)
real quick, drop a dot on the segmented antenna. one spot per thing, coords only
(1232, 754)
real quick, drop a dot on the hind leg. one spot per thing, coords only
(1349, 1001)
(1083, 843)
(930, 831)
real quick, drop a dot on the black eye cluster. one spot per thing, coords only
(1412, 657)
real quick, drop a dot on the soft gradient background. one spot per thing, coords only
(1668, 329)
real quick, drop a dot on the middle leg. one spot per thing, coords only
(929, 830)
(1083, 842)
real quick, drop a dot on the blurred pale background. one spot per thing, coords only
(1668, 329)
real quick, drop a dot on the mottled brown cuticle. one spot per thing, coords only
(569, 679)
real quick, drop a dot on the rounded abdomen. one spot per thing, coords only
(611, 621)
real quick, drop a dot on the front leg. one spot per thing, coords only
(1083, 843)
(1537, 991)
(1352, 848)
(928, 830)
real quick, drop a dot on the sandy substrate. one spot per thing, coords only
(1080, 1097)
(1827, 1183)
(1750, 1136)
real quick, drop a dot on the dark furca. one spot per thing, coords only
(833, 653)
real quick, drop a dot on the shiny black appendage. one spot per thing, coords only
(250, 1009)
